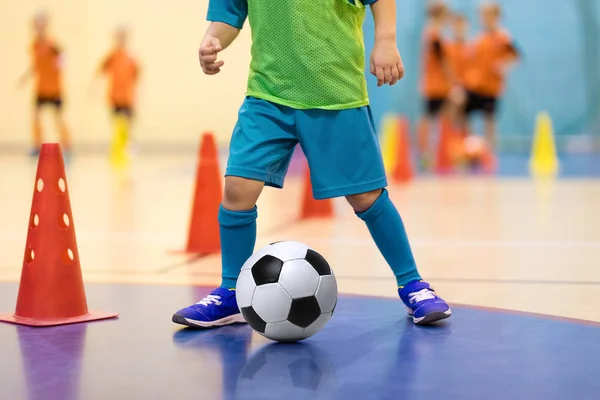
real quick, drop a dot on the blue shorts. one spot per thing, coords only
(341, 147)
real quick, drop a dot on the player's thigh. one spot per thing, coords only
(342, 150)
(263, 142)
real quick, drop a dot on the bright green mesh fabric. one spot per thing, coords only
(307, 53)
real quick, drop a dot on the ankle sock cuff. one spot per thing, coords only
(234, 219)
(376, 208)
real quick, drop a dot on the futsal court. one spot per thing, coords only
(490, 144)
(517, 259)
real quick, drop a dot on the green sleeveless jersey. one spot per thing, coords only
(306, 53)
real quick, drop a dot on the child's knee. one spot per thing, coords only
(363, 201)
(240, 193)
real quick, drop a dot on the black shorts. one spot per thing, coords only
(122, 110)
(42, 101)
(434, 105)
(477, 102)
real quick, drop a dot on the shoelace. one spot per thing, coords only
(423, 294)
(210, 299)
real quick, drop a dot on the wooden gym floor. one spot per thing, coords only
(510, 243)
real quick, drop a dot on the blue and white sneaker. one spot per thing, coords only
(423, 304)
(219, 308)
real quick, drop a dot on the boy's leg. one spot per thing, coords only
(119, 149)
(61, 125)
(489, 118)
(330, 140)
(261, 147)
(37, 131)
(424, 133)
(237, 228)
(237, 221)
(457, 110)
(488, 107)
(388, 232)
(434, 107)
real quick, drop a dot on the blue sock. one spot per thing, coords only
(387, 230)
(238, 237)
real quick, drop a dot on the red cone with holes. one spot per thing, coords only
(51, 290)
(203, 235)
(312, 208)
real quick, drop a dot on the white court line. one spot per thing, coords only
(466, 243)
(165, 238)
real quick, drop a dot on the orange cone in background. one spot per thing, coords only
(51, 291)
(445, 158)
(203, 234)
(489, 162)
(312, 208)
(403, 170)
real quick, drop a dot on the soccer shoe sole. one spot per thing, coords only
(432, 317)
(192, 323)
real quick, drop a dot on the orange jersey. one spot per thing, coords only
(488, 54)
(47, 68)
(457, 52)
(122, 71)
(434, 82)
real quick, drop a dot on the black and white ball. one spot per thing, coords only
(286, 291)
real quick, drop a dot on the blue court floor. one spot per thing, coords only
(369, 350)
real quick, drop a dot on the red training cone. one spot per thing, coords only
(51, 291)
(445, 159)
(312, 208)
(203, 234)
(403, 172)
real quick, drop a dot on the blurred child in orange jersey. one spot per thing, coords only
(46, 68)
(436, 80)
(457, 52)
(122, 72)
(491, 54)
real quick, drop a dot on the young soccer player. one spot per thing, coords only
(122, 71)
(307, 86)
(492, 53)
(46, 68)
(436, 79)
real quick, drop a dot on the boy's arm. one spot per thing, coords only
(384, 14)
(227, 18)
(25, 76)
(511, 56)
(30, 71)
(440, 52)
(514, 53)
(386, 63)
(104, 66)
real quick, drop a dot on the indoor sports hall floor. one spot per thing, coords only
(518, 258)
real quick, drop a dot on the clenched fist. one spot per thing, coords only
(207, 54)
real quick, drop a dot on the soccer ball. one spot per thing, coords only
(286, 291)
